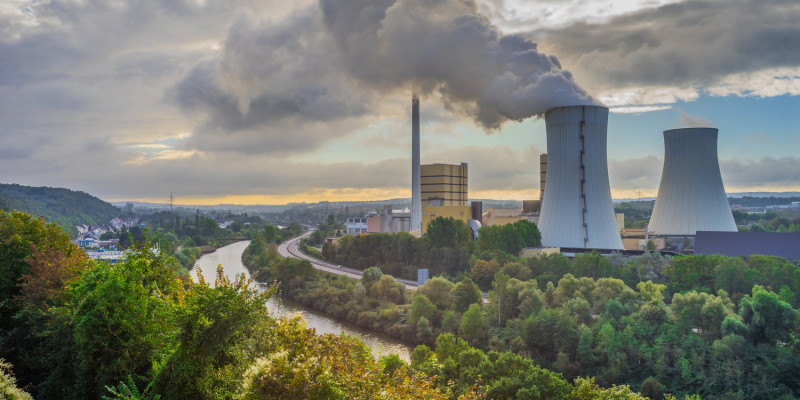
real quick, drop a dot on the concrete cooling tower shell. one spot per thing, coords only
(576, 209)
(691, 196)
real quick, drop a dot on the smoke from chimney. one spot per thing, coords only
(446, 48)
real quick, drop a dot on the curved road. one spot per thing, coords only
(289, 249)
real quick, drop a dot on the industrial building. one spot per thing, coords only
(460, 213)
(387, 220)
(742, 244)
(444, 184)
(576, 207)
(691, 196)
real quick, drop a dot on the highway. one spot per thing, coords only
(289, 249)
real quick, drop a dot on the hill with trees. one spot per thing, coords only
(62, 206)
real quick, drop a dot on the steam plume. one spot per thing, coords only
(446, 47)
(690, 121)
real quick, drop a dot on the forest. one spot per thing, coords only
(73, 328)
(66, 207)
(720, 327)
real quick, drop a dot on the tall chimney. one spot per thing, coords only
(416, 196)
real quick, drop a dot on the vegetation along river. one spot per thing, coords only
(230, 257)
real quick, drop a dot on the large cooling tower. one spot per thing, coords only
(691, 197)
(576, 209)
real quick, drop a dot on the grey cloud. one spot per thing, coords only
(686, 43)
(635, 173)
(272, 89)
(766, 171)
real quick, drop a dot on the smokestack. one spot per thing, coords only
(416, 195)
(691, 196)
(576, 208)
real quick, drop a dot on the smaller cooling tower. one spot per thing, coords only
(576, 208)
(691, 197)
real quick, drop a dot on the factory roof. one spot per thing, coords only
(733, 244)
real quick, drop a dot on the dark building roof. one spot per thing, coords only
(733, 244)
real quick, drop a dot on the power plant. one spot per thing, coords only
(691, 196)
(576, 208)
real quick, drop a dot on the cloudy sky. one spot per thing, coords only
(269, 102)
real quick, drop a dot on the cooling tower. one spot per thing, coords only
(416, 195)
(691, 197)
(576, 209)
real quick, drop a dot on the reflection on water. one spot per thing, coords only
(230, 257)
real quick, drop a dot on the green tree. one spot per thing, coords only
(424, 330)
(448, 232)
(473, 327)
(222, 330)
(329, 251)
(8, 384)
(20, 235)
(465, 293)
(769, 319)
(438, 290)
(421, 307)
(124, 317)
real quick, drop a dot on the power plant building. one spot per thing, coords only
(691, 196)
(576, 207)
(444, 184)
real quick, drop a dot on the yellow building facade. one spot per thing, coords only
(460, 213)
(502, 216)
(444, 185)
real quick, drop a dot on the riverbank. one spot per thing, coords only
(230, 258)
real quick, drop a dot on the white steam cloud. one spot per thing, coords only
(690, 121)
(447, 48)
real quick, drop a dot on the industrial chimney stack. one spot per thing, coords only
(576, 208)
(416, 195)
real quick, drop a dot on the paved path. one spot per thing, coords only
(289, 249)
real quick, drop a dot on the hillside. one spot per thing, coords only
(63, 206)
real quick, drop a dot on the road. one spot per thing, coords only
(289, 249)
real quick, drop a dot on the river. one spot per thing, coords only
(230, 257)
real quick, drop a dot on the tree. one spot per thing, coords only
(510, 238)
(222, 331)
(421, 307)
(8, 384)
(769, 319)
(483, 273)
(424, 330)
(329, 251)
(20, 234)
(465, 294)
(448, 232)
(388, 289)
(123, 316)
(438, 290)
(551, 331)
(473, 327)
(370, 276)
(499, 286)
